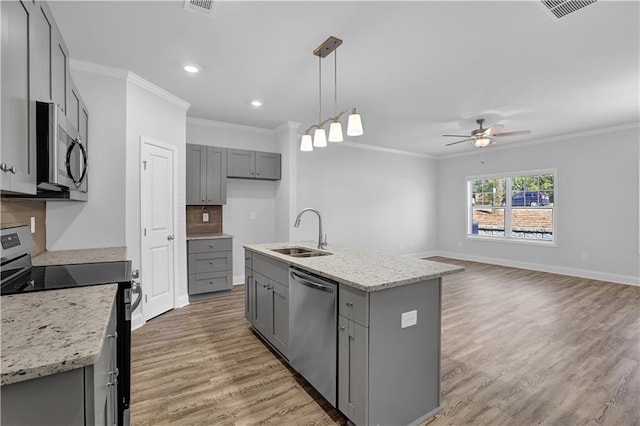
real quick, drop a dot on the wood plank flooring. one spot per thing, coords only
(518, 348)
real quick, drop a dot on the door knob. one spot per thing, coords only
(4, 167)
(170, 237)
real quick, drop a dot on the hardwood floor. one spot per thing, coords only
(518, 348)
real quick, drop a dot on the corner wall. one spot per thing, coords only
(596, 205)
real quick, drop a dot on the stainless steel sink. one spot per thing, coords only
(300, 252)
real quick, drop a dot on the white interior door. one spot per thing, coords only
(158, 207)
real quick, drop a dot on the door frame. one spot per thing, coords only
(146, 140)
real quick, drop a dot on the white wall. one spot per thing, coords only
(596, 205)
(153, 113)
(244, 196)
(99, 222)
(373, 199)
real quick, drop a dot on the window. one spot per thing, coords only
(526, 214)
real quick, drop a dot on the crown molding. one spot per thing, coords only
(559, 138)
(225, 125)
(93, 68)
(157, 90)
(360, 145)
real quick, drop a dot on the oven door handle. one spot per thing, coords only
(136, 288)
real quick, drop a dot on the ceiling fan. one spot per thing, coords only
(482, 137)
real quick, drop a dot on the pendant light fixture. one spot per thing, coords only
(354, 122)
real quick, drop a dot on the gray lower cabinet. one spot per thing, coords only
(249, 287)
(84, 396)
(389, 368)
(245, 164)
(269, 300)
(17, 171)
(206, 175)
(210, 265)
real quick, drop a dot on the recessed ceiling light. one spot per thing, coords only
(191, 69)
(256, 103)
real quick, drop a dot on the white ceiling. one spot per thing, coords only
(414, 70)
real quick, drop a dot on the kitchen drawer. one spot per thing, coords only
(354, 304)
(248, 259)
(210, 262)
(206, 246)
(273, 269)
(207, 283)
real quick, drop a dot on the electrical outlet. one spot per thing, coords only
(409, 319)
(205, 216)
(33, 225)
(252, 216)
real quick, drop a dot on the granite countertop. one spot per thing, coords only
(48, 332)
(207, 236)
(70, 257)
(359, 268)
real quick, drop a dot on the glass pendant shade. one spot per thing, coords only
(319, 138)
(306, 143)
(482, 142)
(335, 132)
(354, 125)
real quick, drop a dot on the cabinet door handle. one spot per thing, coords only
(13, 170)
(211, 263)
(4, 167)
(113, 336)
(209, 200)
(349, 304)
(341, 328)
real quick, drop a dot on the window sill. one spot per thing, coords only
(539, 243)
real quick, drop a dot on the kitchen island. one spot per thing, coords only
(388, 324)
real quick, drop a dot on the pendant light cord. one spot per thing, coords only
(319, 89)
(335, 82)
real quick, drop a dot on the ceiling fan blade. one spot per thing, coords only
(455, 143)
(519, 132)
(458, 136)
(491, 130)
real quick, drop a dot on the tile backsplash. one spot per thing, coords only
(195, 223)
(18, 212)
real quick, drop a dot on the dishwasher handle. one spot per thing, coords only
(302, 280)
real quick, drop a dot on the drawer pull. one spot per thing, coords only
(350, 304)
(113, 336)
(211, 263)
(210, 245)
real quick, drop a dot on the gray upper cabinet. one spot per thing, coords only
(245, 164)
(59, 70)
(18, 172)
(206, 175)
(73, 109)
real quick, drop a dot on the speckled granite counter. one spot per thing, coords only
(207, 236)
(68, 257)
(362, 269)
(50, 332)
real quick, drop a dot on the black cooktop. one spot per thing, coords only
(43, 278)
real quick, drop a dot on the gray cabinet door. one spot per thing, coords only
(248, 294)
(280, 327)
(17, 110)
(263, 304)
(267, 165)
(73, 104)
(241, 163)
(353, 370)
(41, 47)
(196, 163)
(216, 176)
(59, 70)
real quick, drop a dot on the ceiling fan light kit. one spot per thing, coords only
(483, 137)
(354, 122)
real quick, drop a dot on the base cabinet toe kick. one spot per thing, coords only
(378, 351)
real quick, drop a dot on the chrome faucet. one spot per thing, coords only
(321, 243)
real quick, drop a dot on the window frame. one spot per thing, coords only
(508, 208)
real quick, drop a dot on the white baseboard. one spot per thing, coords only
(182, 301)
(238, 279)
(137, 321)
(573, 272)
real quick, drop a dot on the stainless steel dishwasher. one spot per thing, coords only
(313, 330)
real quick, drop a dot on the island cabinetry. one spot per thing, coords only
(83, 396)
(389, 353)
(206, 175)
(249, 287)
(271, 301)
(210, 265)
(242, 163)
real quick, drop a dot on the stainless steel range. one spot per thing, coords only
(19, 276)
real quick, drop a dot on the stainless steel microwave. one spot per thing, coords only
(62, 157)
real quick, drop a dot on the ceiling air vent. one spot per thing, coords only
(204, 7)
(561, 8)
